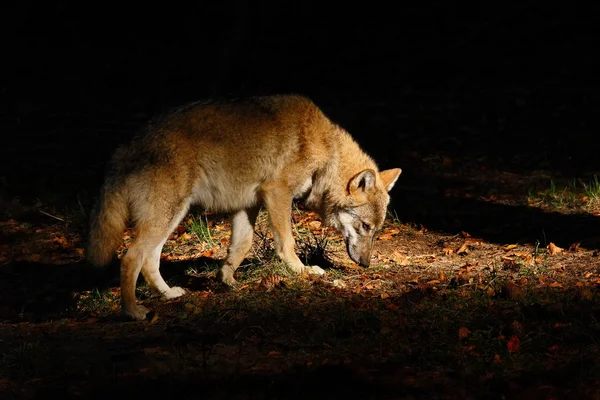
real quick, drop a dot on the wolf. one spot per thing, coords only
(235, 157)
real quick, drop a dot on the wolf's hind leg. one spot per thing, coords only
(150, 269)
(242, 230)
(144, 255)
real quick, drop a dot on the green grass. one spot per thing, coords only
(97, 302)
(592, 190)
(573, 194)
(200, 228)
(393, 216)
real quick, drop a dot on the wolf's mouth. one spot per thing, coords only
(362, 261)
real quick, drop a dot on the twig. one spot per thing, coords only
(52, 216)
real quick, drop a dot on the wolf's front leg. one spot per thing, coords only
(278, 203)
(242, 229)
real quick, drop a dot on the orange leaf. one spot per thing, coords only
(463, 332)
(385, 329)
(399, 258)
(314, 225)
(462, 249)
(513, 344)
(553, 349)
(554, 249)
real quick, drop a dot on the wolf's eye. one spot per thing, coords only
(366, 226)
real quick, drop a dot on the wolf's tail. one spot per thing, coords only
(108, 221)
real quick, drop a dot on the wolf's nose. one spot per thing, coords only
(364, 261)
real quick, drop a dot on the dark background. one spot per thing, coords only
(513, 87)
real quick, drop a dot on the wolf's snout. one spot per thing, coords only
(361, 258)
(364, 262)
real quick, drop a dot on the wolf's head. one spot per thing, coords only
(363, 211)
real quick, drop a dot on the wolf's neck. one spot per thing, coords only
(330, 183)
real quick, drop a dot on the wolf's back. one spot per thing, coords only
(108, 221)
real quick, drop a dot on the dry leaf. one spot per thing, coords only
(462, 249)
(513, 291)
(314, 225)
(384, 295)
(271, 281)
(574, 247)
(447, 251)
(185, 236)
(463, 333)
(385, 330)
(442, 276)
(554, 249)
(338, 283)
(509, 247)
(61, 242)
(517, 327)
(388, 233)
(399, 258)
(513, 344)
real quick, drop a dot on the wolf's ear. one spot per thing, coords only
(389, 177)
(362, 182)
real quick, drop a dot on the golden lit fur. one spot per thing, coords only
(235, 157)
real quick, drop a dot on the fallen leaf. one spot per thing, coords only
(338, 283)
(463, 249)
(314, 225)
(400, 259)
(442, 276)
(517, 327)
(513, 291)
(509, 247)
(447, 251)
(554, 249)
(513, 344)
(385, 329)
(384, 295)
(463, 332)
(553, 349)
(185, 236)
(62, 242)
(574, 247)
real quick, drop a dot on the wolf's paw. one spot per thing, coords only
(230, 282)
(136, 312)
(225, 275)
(173, 292)
(315, 270)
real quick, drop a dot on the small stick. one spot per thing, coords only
(52, 216)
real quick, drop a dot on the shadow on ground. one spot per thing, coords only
(420, 199)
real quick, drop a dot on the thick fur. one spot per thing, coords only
(235, 157)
